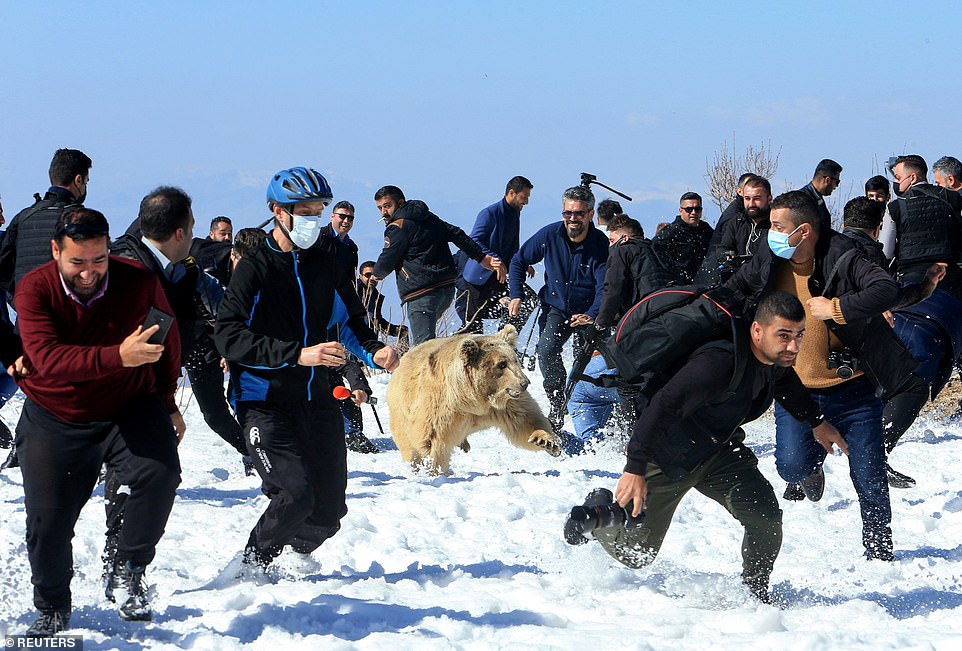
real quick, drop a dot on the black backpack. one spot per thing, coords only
(658, 333)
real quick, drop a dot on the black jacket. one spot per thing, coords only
(344, 252)
(928, 228)
(738, 236)
(823, 211)
(705, 402)
(194, 297)
(278, 303)
(684, 246)
(633, 270)
(864, 290)
(416, 248)
(26, 245)
(213, 257)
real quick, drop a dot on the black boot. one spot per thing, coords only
(793, 493)
(357, 442)
(112, 573)
(897, 479)
(49, 623)
(136, 608)
(12, 460)
(6, 437)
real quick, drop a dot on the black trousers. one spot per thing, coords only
(207, 383)
(61, 463)
(301, 457)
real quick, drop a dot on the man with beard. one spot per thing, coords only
(827, 177)
(27, 242)
(739, 234)
(948, 173)
(98, 391)
(574, 254)
(481, 291)
(416, 248)
(851, 356)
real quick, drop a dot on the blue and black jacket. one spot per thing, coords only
(279, 303)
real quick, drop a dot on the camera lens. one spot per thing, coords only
(844, 372)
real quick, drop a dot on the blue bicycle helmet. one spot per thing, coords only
(298, 184)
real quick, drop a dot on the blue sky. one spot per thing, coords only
(448, 100)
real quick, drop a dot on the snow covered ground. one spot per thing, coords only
(477, 560)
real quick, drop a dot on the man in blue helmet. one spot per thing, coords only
(284, 298)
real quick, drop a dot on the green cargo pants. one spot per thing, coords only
(731, 478)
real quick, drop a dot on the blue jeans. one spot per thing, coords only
(425, 311)
(855, 410)
(925, 340)
(590, 406)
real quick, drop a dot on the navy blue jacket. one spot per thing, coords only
(278, 303)
(498, 230)
(574, 276)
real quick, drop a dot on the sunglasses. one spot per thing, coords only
(568, 214)
(343, 215)
(691, 209)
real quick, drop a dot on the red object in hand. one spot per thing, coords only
(341, 393)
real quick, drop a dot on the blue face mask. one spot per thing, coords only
(778, 243)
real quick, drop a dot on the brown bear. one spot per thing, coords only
(447, 389)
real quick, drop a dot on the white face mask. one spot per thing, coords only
(306, 230)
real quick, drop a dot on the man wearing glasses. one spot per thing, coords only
(574, 254)
(827, 177)
(685, 241)
(335, 235)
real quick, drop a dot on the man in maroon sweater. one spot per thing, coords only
(97, 391)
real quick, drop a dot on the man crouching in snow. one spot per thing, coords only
(689, 436)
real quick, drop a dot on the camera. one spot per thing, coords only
(587, 179)
(728, 260)
(844, 362)
(599, 511)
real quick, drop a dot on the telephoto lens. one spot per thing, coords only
(599, 512)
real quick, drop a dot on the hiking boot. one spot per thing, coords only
(249, 469)
(878, 545)
(136, 608)
(49, 623)
(897, 479)
(256, 557)
(793, 493)
(814, 485)
(112, 574)
(12, 460)
(6, 437)
(357, 442)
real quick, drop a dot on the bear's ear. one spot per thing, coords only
(471, 351)
(509, 334)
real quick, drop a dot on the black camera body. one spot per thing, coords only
(843, 362)
(588, 517)
(587, 179)
(729, 260)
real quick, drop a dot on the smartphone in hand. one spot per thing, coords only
(161, 318)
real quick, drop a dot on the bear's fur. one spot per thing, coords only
(447, 389)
